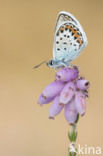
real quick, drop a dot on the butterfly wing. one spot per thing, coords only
(69, 38)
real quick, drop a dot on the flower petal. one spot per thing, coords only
(70, 112)
(67, 93)
(67, 74)
(55, 108)
(80, 102)
(83, 84)
(43, 100)
(53, 89)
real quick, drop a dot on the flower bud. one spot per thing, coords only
(70, 112)
(43, 100)
(67, 74)
(55, 108)
(80, 102)
(83, 84)
(67, 93)
(53, 89)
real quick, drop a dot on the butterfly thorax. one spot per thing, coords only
(57, 63)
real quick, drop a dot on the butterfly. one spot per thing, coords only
(69, 41)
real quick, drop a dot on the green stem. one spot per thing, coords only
(72, 137)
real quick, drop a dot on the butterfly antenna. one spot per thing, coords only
(39, 64)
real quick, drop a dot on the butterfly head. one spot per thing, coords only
(50, 63)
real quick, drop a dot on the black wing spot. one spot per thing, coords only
(57, 42)
(66, 29)
(74, 44)
(68, 36)
(65, 48)
(58, 49)
(64, 42)
(70, 43)
(57, 33)
(75, 37)
(61, 38)
(62, 31)
(72, 34)
(64, 35)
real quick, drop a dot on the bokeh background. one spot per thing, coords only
(26, 38)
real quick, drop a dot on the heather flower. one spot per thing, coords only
(83, 84)
(67, 74)
(44, 100)
(69, 91)
(70, 112)
(53, 89)
(80, 102)
(55, 108)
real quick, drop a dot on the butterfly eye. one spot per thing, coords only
(51, 62)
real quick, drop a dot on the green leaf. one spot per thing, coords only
(76, 135)
(70, 136)
(74, 154)
(77, 118)
(70, 154)
(73, 136)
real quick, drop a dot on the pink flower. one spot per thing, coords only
(80, 102)
(69, 91)
(83, 84)
(53, 89)
(44, 100)
(70, 112)
(55, 108)
(67, 74)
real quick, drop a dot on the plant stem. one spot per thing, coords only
(72, 137)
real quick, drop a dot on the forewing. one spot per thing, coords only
(65, 16)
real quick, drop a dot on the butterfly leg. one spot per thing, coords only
(61, 65)
(73, 66)
(64, 64)
(55, 69)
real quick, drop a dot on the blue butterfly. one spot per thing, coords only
(69, 41)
